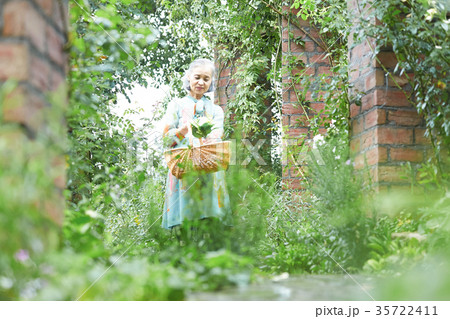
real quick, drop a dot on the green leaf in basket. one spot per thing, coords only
(201, 127)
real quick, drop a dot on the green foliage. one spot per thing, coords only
(133, 223)
(28, 194)
(98, 66)
(325, 229)
(182, 37)
(426, 262)
(338, 224)
(427, 280)
(132, 278)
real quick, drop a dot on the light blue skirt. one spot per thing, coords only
(196, 197)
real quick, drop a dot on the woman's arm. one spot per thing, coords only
(172, 135)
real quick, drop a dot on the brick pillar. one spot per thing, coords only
(386, 131)
(32, 38)
(296, 113)
(226, 86)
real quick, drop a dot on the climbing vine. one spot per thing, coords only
(248, 35)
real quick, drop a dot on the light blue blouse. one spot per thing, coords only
(181, 111)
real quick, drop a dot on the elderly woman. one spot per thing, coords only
(204, 197)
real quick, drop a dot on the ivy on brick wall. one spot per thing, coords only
(247, 36)
(329, 26)
(418, 33)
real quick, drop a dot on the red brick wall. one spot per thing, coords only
(386, 130)
(296, 129)
(32, 38)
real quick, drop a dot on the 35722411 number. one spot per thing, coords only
(406, 311)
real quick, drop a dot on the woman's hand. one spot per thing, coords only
(185, 129)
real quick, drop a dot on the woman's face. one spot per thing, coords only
(200, 81)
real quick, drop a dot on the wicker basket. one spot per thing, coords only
(208, 158)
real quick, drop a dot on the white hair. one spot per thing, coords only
(192, 66)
